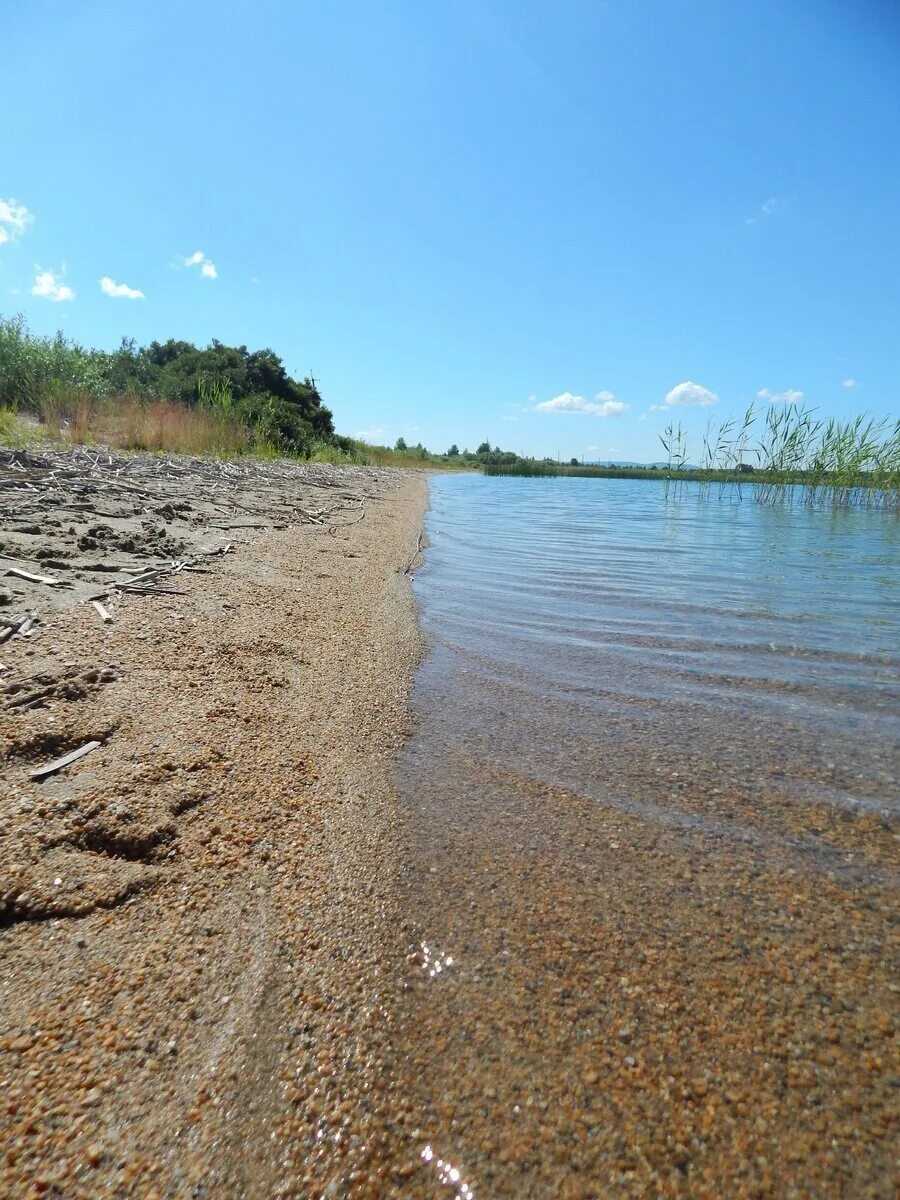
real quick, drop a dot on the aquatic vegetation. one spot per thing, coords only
(785, 456)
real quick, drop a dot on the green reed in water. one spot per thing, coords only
(787, 455)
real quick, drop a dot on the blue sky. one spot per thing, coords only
(455, 213)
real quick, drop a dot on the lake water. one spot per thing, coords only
(650, 814)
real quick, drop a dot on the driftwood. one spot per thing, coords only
(66, 760)
(19, 625)
(201, 493)
(420, 540)
(48, 579)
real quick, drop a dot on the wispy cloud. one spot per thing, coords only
(206, 265)
(119, 291)
(686, 395)
(766, 210)
(510, 417)
(368, 435)
(850, 383)
(49, 286)
(608, 405)
(788, 396)
(14, 220)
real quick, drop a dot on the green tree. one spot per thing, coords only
(400, 444)
(484, 448)
(453, 452)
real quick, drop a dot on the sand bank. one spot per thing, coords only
(196, 919)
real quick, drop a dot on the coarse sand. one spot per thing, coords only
(196, 932)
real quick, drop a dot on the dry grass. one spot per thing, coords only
(130, 424)
(162, 425)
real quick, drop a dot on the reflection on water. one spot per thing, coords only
(655, 769)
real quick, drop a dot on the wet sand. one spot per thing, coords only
(652, 826)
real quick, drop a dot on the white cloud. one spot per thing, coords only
(206, 265)
(567, 403)
(642, 417)
(850, 383)
(788, 396)
(49, 286)
(510, 418)
(119, 291)
(367, 435)
(14, 220)
(766, 209)
(688, 394)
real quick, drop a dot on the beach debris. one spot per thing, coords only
(32, 578)
(21, 626)
(65, 760)
(412, 562)
(146, 518)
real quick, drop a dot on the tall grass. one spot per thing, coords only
(35, 371)
(162, 426)
(787, 455)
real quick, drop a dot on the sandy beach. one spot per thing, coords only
(249, 948)
(196, 916)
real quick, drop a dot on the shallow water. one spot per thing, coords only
(657, 742)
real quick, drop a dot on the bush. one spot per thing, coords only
(248, 393)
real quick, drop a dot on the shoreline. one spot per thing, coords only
(213, 1022)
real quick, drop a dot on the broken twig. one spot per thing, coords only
(66, 760)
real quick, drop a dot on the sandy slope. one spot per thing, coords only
(214, 1021)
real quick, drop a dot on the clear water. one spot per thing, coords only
(656, 755)
(763, 638)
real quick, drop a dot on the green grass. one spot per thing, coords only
(14, 432)
(366, 454)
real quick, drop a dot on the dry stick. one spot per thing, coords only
(58, 763)
(48, 579)
(149, 590)
(17, 625)
(104, 615)
(409, 565)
